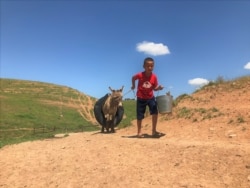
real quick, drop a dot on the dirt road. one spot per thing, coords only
(122, 160)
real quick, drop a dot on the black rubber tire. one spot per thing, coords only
(99, 114)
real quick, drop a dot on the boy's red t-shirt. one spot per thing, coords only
(146, 85)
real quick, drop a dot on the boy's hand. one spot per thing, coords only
(160, 87)
(132, 87)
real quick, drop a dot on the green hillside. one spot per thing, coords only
(33, 110)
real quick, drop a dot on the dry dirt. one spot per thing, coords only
(195, 152)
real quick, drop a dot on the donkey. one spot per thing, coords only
(109, 109)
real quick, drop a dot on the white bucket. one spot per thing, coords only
(164, 103)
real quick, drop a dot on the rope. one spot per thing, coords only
(134, 94)
(127, 92)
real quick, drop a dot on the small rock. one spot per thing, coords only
(59, 135)
(248, 177)
(232, 135)
(177, 164)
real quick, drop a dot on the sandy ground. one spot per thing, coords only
(209, 153)
(93, 159)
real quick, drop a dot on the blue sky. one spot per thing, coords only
(91, 45)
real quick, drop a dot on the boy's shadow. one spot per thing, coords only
(145, 136)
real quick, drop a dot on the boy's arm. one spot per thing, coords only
(133, 82)
(159, 87)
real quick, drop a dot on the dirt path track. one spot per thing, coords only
(121, 160)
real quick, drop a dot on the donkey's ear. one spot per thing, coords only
(122, 88)
(111, 89)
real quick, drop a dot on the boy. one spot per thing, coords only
(147, 84)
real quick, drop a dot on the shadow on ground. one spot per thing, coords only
(145, 136)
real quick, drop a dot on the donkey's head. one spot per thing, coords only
(116, 95)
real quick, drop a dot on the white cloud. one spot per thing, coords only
(247, 66)
(198, 82)
(152, 48)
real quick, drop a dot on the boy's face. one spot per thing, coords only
(149, 66)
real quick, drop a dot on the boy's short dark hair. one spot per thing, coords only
(148, 59)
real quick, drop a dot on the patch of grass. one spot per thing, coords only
(240, 119)
(180, 98)
(25, 116)
(130, 113)
(226, 84)
(201, 112)
(195, 120)
(18, 136)
(208, 116)
(220, 80)
(244, 129)
(214, 109)
(184, 113)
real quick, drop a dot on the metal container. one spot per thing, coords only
(164, 103)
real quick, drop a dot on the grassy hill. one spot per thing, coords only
(35, 110)
(32, 110)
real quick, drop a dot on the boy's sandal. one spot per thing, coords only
(140, 136)
(157, 134)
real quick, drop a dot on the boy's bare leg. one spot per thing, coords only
(154, 123)
(139, 122)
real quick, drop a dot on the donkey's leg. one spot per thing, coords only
(102, 131)
(108, 126)
(112, 129)
(112, 125)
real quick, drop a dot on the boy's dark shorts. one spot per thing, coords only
(141, 105)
